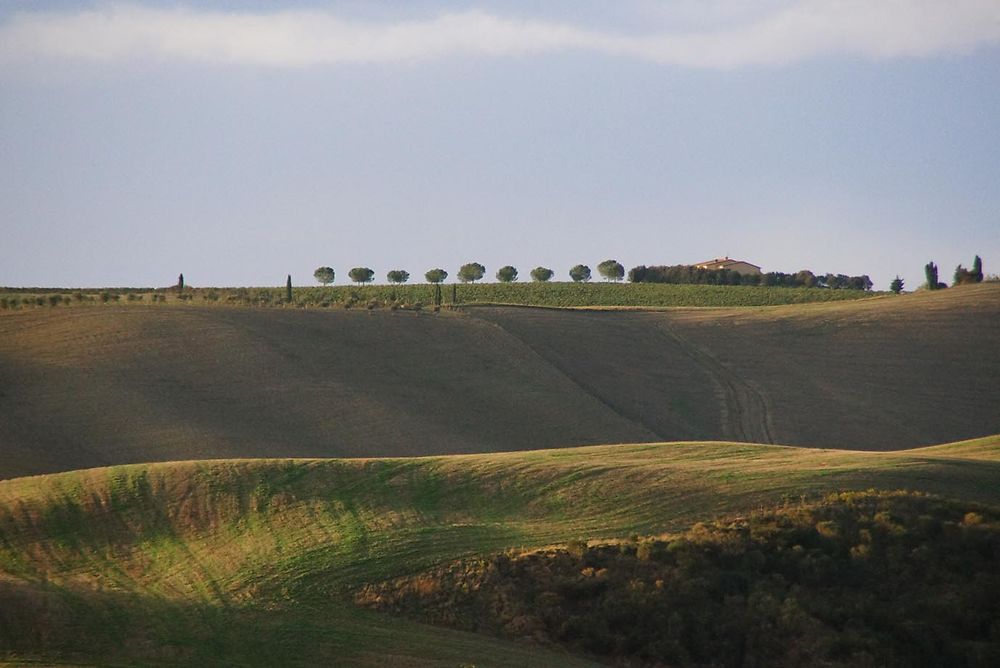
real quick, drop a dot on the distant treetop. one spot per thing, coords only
(471, 272)
(398, 276)
(436, 275)
(580, 273)
(541, 274)
(507, 274)
(611, 270)
(361, 274)
(324, 275)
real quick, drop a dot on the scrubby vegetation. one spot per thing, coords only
(871, 578)
(255, 562)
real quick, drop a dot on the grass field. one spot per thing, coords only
(254, 561)
(131, 383)
(556, 294)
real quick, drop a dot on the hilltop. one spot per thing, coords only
(115, 384)
(257, 562)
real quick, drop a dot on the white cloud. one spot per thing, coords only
(803, 29)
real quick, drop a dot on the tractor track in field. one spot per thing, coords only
(745, 413)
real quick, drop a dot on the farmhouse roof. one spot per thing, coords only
(723, 262)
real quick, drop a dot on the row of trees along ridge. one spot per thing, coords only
(610, 270)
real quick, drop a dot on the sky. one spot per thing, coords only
(238, 142)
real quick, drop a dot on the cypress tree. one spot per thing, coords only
(180, 283)
(931, 272)
(977, 270)
(288, 289)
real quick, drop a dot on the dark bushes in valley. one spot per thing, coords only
(865, 579)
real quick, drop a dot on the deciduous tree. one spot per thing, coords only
(436, 275)
(580, 273)
(471, 272)
(541, 274)
(611, 270)
(507, 274)
(324, 275)
(398, 276)
(361, 274)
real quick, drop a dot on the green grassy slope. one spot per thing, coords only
(255, 561)
(102, 385)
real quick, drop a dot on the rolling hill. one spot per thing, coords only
(116, 384)
(254, 562)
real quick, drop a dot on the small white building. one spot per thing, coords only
(741, 267)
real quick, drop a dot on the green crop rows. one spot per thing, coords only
(564, 295)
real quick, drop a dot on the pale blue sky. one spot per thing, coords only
(239, 145)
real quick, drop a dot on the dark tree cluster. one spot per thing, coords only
(859, 579)
(931, 274)
(975, 275)
(683, 273)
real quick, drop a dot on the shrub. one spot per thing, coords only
(577, 548)
(767, 588)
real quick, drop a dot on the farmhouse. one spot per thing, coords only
(738, 266)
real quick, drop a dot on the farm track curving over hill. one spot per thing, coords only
(104, 385)
(745, 414)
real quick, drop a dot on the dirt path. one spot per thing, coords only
(745, 414)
